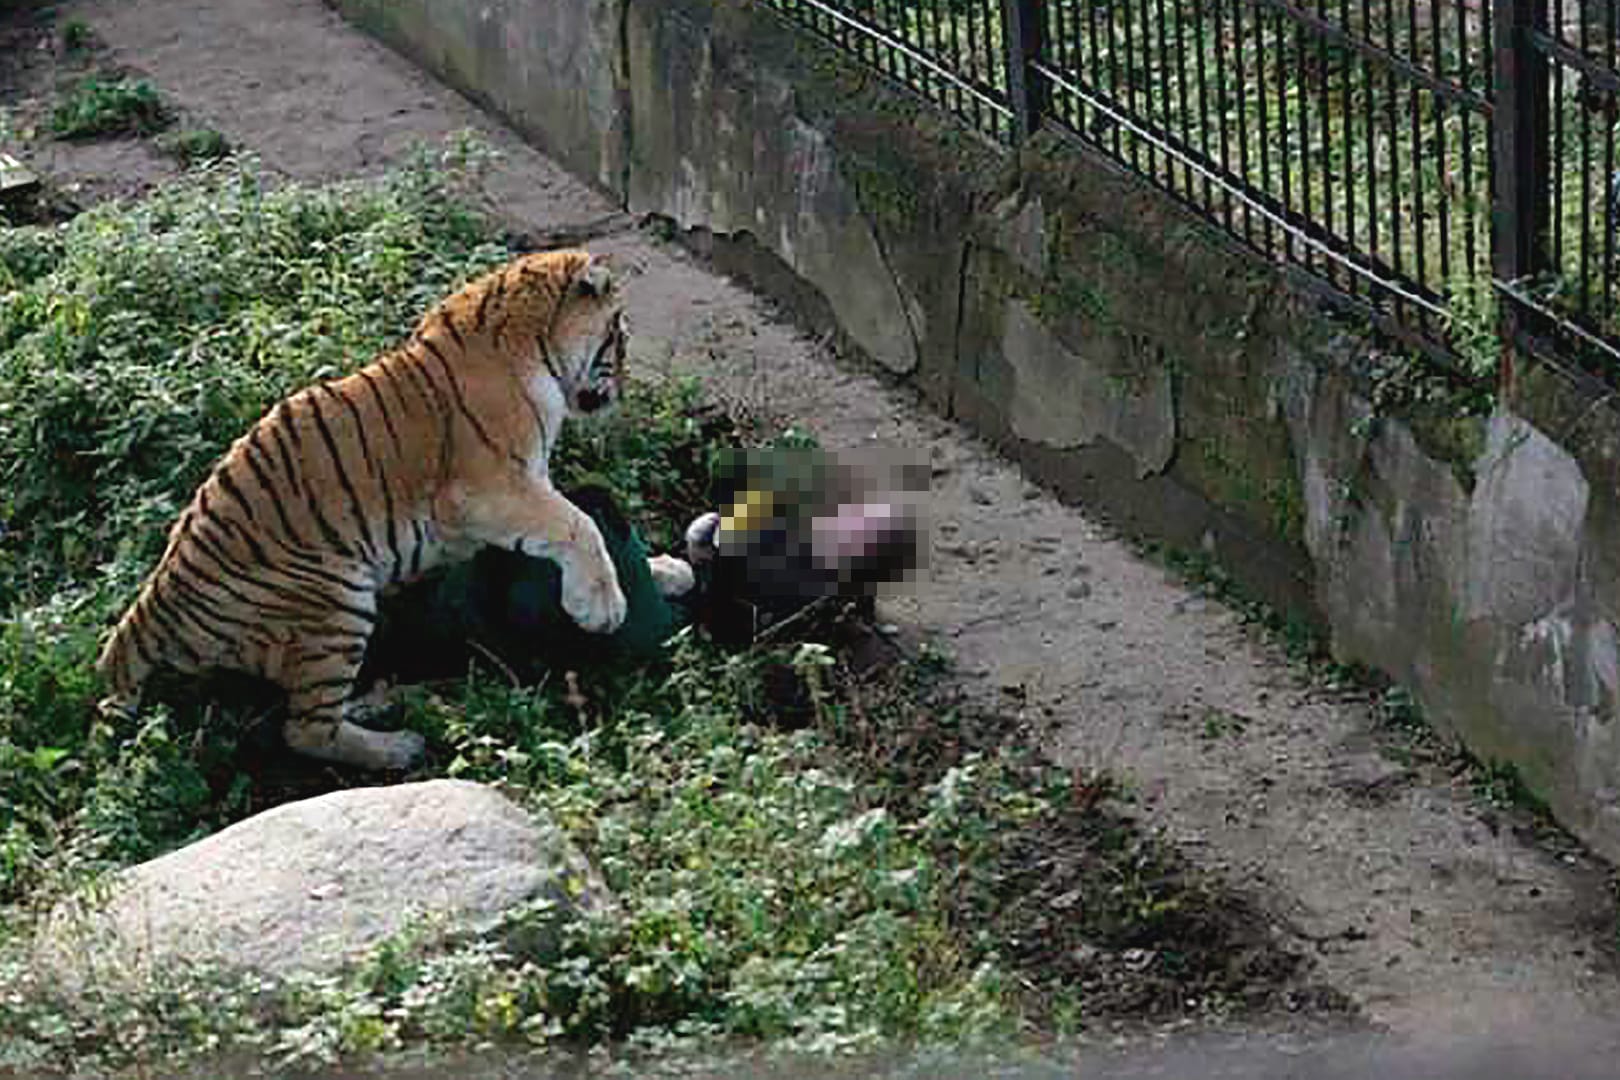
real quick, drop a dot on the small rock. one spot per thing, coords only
(1080, 590)
(981, 496)
(1367, 774)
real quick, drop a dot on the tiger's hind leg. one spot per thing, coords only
(321, 706)
(320, 729)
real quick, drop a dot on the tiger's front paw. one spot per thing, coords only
(595, 601)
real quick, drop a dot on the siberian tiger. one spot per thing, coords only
(359, 484)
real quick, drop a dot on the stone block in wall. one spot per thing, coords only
(1063, 399)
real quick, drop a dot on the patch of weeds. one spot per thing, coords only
(1397, 708)
(76, 36)
(103, 106)
(1222, 724)
(1299, 637)
(1501, 784)
(1496, 783)
(195, 146)
(1472, 322)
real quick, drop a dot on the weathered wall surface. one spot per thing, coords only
(554, 70)
(1121, 350)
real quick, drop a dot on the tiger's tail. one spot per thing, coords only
(123, 664)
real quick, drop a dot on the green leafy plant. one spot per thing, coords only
(102, 106)
(195, 146)
(76, 35)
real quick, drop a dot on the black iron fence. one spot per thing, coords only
(1448, 164)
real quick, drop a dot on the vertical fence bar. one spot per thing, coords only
(1021, 34)
(1521, 208)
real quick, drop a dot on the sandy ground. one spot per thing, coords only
(1439, 914)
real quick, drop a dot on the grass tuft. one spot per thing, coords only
(195, 146)
(101, 106)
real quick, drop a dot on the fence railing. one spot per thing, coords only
(1434, 161)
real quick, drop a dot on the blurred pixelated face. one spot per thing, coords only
(797, 527)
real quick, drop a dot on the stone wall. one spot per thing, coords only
(1123, 351)
(554, 70)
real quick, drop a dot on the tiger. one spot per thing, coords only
(358, 485)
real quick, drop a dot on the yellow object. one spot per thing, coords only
(748, 513)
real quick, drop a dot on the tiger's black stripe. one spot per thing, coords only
(539, 418)
(329, 534)
(265, 482)
(418, 547)
(368, 546)
(545, 358)
(360, 439)
(496, 292)
(287, 467)
(187, 613)
(312, 575)
(461, 401)
(382, 407)
(208, 606)
(138, 637)
(228, 486)
(172, 635)
(450, 325)
(265, 607)
(429, 394)
(209, 517)
(423, 386)
(371, 462)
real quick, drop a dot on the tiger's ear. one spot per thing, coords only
(596, 280)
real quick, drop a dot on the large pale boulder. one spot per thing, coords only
(307, 886)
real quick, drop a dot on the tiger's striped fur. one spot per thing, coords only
(359, 484)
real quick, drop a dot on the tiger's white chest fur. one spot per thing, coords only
(551, 409)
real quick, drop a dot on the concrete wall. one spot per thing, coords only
(1124, 352)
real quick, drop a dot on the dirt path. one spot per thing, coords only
(1424, 904)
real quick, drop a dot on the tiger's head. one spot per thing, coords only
(576, 319)
(558, 315)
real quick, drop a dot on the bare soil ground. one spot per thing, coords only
(1437, 911)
